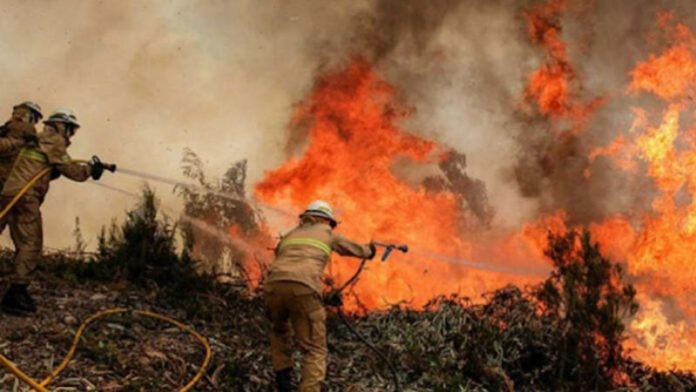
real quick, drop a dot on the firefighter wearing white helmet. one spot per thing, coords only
(48, 150)
(292, 293)
(320, 209)
(68, 120)
(33, 111)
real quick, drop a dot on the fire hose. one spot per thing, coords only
(334, 299)
(42, 385)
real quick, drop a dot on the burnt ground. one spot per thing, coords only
(452, 346)
(117, 353)
(127, 353)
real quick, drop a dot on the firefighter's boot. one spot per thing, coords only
(17, 301)
(284, 380)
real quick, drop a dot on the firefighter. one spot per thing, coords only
(24, 219)
(292, 294)
(17, 131)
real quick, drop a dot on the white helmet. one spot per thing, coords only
(321, 209)
(65, 116)
(33, 106)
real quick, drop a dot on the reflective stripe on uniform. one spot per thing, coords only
(33, 154)
(306, 241)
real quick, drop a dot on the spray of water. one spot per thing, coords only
(204, 226)
(506, 269)
(239, 243)
(189, 185)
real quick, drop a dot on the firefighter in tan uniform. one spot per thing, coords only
(15, 133)
(24, 219)
(292, 293)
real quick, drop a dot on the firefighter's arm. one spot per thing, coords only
(61, 162)
(8, 144)
(75, 171)
(345, 247)
(15, 135)
(81, 171)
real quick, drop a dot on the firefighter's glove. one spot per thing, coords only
(96, 167)
(373, 250)
(30, 139)
(333, 298)
(55, 172)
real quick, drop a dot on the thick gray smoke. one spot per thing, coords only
(147, 79)
(150, 78)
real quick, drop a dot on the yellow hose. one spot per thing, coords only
(41, 387)
(24, 190)
(22, 376)
(76, 341)
(28, 186)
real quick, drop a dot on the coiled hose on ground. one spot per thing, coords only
(42, 385)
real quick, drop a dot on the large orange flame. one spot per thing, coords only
(660, 255)
(554, 87)
(354, 142)
(658, 245)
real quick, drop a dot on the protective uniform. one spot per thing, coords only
(15, 133)
(24, 219)
(292, 293)
(12, 141)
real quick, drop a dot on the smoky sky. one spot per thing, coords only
(149, 78)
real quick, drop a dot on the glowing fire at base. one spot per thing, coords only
(660, 255)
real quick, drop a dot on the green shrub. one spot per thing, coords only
(143, 250)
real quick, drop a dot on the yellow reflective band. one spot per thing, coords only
(306, 241)
(33, 154)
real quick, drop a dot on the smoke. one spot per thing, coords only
(147, 79)
(200, 224)
(450, 61)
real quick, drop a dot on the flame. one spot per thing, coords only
(659, 255)
(670, 75)
(658, 245)
(554, 87)
(549, 85)
(354, 142)
(663, 342)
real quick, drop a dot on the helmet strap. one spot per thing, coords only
(33, 117)
(60, 127)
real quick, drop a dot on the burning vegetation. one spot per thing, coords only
(564, 333)
(592, 293)
(352, 145)
(349, 146)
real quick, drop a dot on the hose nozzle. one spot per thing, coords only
(107, 166)
(389, 248)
